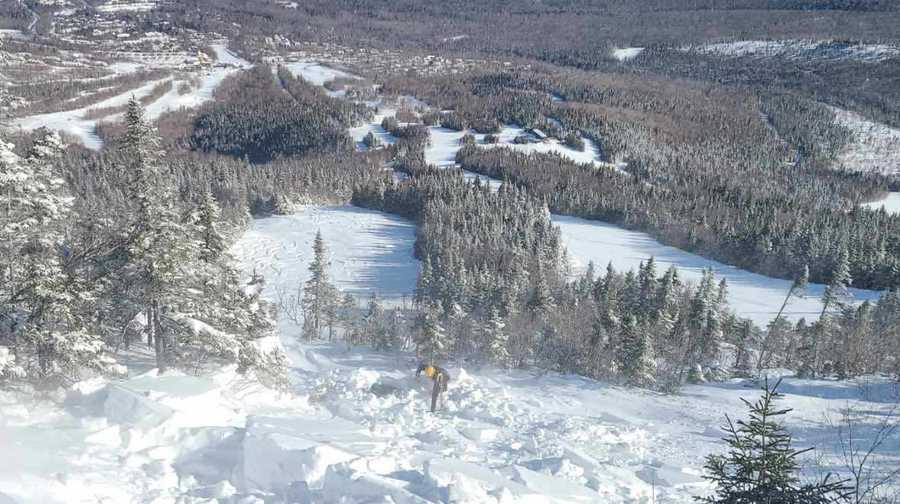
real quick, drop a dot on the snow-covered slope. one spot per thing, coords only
(891, 203)
(875, 147)
(370, 252)
(750, 295)
(503, 436)
(73, 122)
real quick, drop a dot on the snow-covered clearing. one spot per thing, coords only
(502, 437)
(72, 122)
(627, 53)
(445, 143)
(801, 49)
(358, 133)
(875, 147)
(128, 6)
(891, 203)
(750, 295)
(370, 251)
(317, 73)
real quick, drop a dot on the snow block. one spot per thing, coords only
(125, 406)
(342, 484)
(557, 488)
(278, 452)
(480, 434)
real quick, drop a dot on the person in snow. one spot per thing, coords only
(439, 376)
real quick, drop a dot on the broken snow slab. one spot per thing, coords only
(281, 450)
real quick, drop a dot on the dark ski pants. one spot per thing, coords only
(440, 385)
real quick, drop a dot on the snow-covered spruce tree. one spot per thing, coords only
(179, 280)
(320, 297)
(761, 466)
(212, 243)
(635, 354)
(430, 343)
(159, 247)
(348, 318)
(374, 330)
(42, 335)
(371, 141)
(496, 339)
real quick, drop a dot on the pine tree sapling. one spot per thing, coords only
(761, 466)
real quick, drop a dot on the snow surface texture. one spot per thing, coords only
(502, 437)
(72, 122)
(370, 252)
(802, 50)
(875, 147)
(318, 74)
(750, 295)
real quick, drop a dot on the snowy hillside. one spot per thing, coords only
(355, 427)
(750, 295)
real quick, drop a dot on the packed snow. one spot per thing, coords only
(891, 203)
(371, 252)
(355, 426)
(227, 64)
(875, 147)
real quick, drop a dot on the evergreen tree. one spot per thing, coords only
(431, 343)
(42, 334)
(760, 466)
(212, 244)
(374, 330)
(159, 246)
(319, 295)
(496, 339)
(635, 359)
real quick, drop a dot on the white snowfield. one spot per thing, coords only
(72, 122)
(750, 295)
(502, 437)
(370, 251)
(891, 203)
(318, 74)
(445, 143)
(627, 53)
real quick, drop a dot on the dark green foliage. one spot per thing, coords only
(761, 465)
(260, 122)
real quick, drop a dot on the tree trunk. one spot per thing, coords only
(159, 341)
